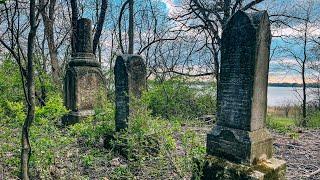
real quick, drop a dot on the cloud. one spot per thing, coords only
(171, 6)
(298, 30)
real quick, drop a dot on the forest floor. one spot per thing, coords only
(300, 148)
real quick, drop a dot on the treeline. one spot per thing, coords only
(308, 85)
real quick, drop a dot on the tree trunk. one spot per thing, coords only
(74, 18)
(303, 72)
(104, 5)
(131, 28)
(304, 94)
(226, 11)
(26, 148)
(48, 21)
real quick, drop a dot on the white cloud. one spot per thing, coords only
(297, 30)
(169, 4)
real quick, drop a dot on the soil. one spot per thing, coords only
(301, 150)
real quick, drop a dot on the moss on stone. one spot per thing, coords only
(221, 169)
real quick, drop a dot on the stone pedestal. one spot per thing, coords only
(83, 79)
(130, 81)
(240, 146)
(240, 134)
(216, 168)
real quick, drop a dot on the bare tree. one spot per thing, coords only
(209, 18)
(26, 148)
(74, 18)
(101, 19)
(297, 52)
(48, 17)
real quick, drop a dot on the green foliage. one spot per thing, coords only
(10, 81)
(93, 128)
(122, 172)
(280, 124)
(180, 98)
(144, 137)
(53, 110)
(46, 138)
(12, 111)
(152, 145)
(314, 120)
(88, 159)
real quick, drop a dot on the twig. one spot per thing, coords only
(313, 173)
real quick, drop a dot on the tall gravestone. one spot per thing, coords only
(130, 81)
(83, 79)
(240, 134)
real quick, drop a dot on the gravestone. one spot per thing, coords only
(240, 135)
(83, 79)
(130, 81)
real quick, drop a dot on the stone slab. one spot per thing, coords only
(130, 82)
(216, 168)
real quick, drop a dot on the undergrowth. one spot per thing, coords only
(281, 124)
(150, 147)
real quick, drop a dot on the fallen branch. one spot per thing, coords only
(313, 173)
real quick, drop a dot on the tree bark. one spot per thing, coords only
(74, 18)
(131, 28)
(48, 21)
(102, 16)
(26, 148)
(226, 11)
(119, 25)
(304, 86)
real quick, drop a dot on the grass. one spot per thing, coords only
(281, 124)
(314, 120)
(157, 148)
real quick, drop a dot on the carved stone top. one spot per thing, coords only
(83, 36)
(83, 45)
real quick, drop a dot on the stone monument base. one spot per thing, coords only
(239, 146)
(76, 116)
(220, 169)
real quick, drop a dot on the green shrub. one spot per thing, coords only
(314, 120)
(180, 98)
(10, 81)
(47, 140)
(153, 144)
(93, 128)
(280, 124)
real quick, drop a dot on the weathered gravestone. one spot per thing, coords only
(240, 136)
(83, 79)
(130, 81)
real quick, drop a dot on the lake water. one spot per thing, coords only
(278, 96)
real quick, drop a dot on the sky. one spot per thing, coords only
(279, 72)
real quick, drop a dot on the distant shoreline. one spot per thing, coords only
(309, 85)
